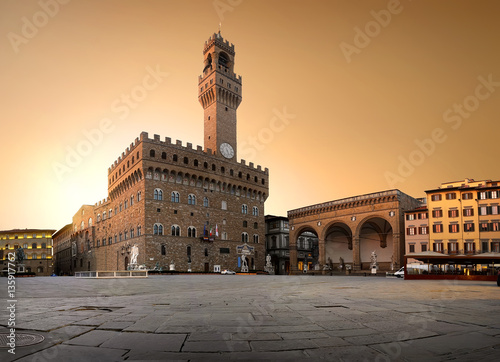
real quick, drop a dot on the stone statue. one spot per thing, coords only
(20, 255)
(269, 267)
(373, 257)
(135, 254)
(244, 265)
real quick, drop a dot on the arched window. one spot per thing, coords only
(131, 200)
(139, 230)
(255, 211)
(244, 209)
(191, 199)
(82, 225)
(163, 250)
(255, 225)
(213, 167)
(126, 204)
(175, 196)
(223, 59)
(98, 217)
(110, 212)
(186, 160)
(44, 246)
(157, 229)
(176, 230)
(205, 165)
(244, 237)
(245, 223)
(224, 236)
(256, 238)
(104, 214)
(224, 205)
(138, 196)
(163, 155)
(174, 158)
(152, 153)
(158, 194)
(131, 233)
(205, 201)
(33, 246)
(191, 232)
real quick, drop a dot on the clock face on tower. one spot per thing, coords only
(226, 150)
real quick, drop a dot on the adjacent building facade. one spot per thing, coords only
(37, 247)
(187, 208)
(63, 260)
(462, 231)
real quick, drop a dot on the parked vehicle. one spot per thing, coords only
(400, 273)
(228, 272)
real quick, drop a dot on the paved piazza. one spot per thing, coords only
(256, 318)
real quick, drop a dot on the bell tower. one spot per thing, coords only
(220, 95)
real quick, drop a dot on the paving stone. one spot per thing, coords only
(302, 335)
(348, 353)
(146, 341)
(147, 324)
(197, 336)
(216, 346)
(271, 318)
(288, 345)
(115, 325)
(93, 338)
(76, 354)
(255, 337)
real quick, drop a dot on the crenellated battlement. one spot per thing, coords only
(199, 150)
(221, 43)
(102, 202)
(125, 154)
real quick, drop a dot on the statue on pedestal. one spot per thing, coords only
(133, 258)
(269, 267)
(373, 264)
(244, 265)
(20, 256)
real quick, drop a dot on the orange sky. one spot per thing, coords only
(367, 85)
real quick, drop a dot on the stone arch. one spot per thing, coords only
(338, 244)
(180, 177)
(306, 253)
(375, 233)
